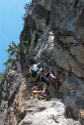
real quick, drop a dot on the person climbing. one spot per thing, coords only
(40, 75)
(36, 93)
(35, 69)
(45, 79)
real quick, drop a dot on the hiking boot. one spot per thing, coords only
(47, 92)
(44, 94)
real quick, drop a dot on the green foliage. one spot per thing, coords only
(13, 50)
(27, 7)
(27, 42)
(26, 47)
(1, 76)
(8, 62)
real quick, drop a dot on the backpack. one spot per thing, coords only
(29, 72)
(34, 70)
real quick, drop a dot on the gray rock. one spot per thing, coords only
(53, 113)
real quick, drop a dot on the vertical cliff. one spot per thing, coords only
(53, 33)
(54, 30)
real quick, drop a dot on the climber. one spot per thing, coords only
(40, 75)
(35, 69)
(36, 93)
(45, 79)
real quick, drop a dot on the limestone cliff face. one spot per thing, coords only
(9, 87)
(55, 31)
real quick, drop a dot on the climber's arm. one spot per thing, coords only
(35, 91)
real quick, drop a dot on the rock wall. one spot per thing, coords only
(55, 32)
(9, 87)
